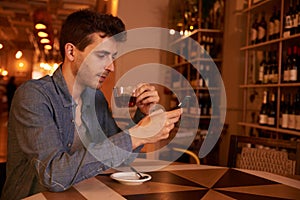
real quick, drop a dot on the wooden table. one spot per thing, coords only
(184, 181)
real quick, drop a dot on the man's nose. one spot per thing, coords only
(110, 67)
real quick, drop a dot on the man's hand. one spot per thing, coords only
(154, 127)
(146, 96)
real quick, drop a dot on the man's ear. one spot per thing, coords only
(69, 51)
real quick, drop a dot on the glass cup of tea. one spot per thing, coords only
(124, 96)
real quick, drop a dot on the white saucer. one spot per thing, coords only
(129, 178)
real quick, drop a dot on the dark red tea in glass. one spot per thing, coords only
(123, 96)
(125, 100)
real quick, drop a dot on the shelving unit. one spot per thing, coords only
(200, 111)
(252, 91)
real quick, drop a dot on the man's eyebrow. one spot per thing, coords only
(103, 51)
(106, 52)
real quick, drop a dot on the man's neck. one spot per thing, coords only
(74, 87)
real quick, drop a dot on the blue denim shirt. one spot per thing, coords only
(41, 132)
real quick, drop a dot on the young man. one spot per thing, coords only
(60, 128)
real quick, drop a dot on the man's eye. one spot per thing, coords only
(101, 55)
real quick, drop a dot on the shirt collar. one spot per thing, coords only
(66, 97)
(62, 88)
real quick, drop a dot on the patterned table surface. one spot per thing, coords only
(186, 181)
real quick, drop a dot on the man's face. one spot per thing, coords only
(96, 62)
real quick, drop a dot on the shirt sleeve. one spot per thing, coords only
(41, 143)
(108, 123)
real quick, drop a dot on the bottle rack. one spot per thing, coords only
(209, 35)
(252, 91)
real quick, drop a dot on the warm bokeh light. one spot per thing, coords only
(114, 7)
(48, 46)
(172, 32)
(46, 69)
(21, 65)
(1, 46)
(45, 40)
(4, 72)
(19, 54)
(40, 26)
(42, 34)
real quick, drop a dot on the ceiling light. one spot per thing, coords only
(45, 41)
(40, 26)
(42, 34)
(18, 54)
(1, 46)
(21, 65)
(4, 73)
(48, 46)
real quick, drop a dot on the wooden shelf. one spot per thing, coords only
(270, 42)
(200, 30)
(252, 7)
(196, 60)
(260, 44)
(274, 129)
(253, 106)
(202, 116)
(270, 85)
(206, 60)
(195, 88)
(259, 85)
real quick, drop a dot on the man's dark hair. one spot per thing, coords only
(79, 25)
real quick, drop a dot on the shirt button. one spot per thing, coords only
(72, 120)
(69, 144)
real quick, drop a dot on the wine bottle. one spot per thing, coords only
(270, 74)
(297, 111)
(298, 65)
(261, 69)
(202, 105)
(277, 24)
(272, 25)
(274, 67)
(208, 45)
(294, 20)
(272, 111)
(253, 76)
(286, 73)
(291, 118)
(263, 114)
(285, 112)
(298, 13)
(294, 65)
(288, 21)
(254, 31)
(193, 77)
(282, 109)
(262, 29)
(208, 105)
(202, 45)
(266, 70)
(207, 78)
